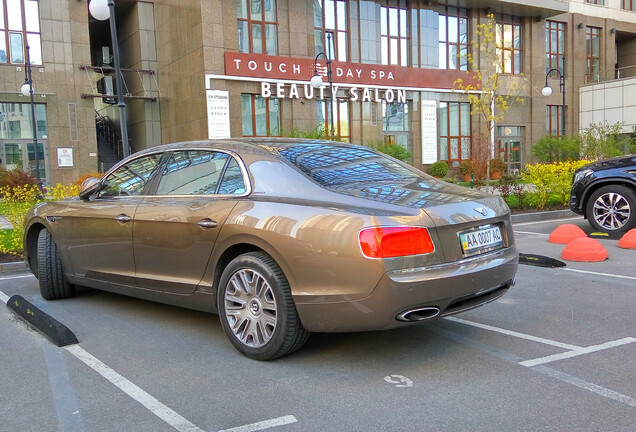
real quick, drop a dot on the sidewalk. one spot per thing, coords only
(4, 222)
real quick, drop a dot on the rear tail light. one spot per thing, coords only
(387, 242)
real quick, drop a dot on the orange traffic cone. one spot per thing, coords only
(564, 234)
(584, 249)
(628, 241)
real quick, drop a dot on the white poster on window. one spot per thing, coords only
(429, 131)
(64, 157)
(218, 113)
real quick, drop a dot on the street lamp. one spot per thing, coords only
(27, 90)
(316, 80)
(547, 90)
(102, 10)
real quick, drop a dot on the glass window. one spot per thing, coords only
(340, 119)
(330, 16)
(554, 45)
(554, 120)
(509, 44)
(394, 39)
(453, 38)
(18, 120)
(20, 22)
(395, 116)
(257, 26)
(192, 172)
(596, 2)
(627, 5)
(233, 182)
(454, 132)
(593, 52)
(261, 116)
(130, 179)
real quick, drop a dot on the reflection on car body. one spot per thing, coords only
(280, 237)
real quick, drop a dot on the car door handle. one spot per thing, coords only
(207, 223)
(123, 218)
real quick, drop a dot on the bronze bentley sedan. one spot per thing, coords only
(280, 237)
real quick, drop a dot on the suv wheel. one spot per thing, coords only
(612, 209)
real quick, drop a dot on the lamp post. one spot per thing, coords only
(316, 80)
(547, 90)
(102, 10)
(27, 90)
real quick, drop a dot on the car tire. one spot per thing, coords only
(50, 272)
(256, 308)
(612, 209)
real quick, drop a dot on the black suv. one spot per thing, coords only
(605, 193)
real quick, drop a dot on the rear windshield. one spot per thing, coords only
(332, 165)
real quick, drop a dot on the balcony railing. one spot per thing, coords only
(611, 75)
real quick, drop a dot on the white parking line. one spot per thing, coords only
(151, 403)
(598, 273)
(545, 221)
(281, 421)
(577, 352)
(516, 334)
(602, 391)
(532, 233)
(3, 297)
(16, 277)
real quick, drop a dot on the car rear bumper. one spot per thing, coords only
(437, 291)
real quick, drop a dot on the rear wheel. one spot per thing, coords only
(256, 308)
(612, 209)
(50, 272)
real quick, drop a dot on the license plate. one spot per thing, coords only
(480, 240)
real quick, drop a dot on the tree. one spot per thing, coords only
(605, 140)
(491, 93)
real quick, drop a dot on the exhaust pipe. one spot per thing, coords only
(418, 314)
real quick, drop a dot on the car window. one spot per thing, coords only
(333, 165)
(232, 183)
(192, 172)
(131, 178)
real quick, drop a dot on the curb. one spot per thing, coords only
(545, 215)
(13, 267)
(54, 330)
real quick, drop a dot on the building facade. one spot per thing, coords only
(194, 69)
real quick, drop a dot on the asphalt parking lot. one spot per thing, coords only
(556, 353)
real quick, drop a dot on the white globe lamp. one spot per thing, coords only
(546, 91)
(99, 9)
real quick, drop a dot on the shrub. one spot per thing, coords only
(467, 167)
(19, 200)
(78, 181)
(556, 149)
(16, 177)
(394, 150)
(497, 165)
(604, 140)
(438, 169)
(61, 191)
(554, 178)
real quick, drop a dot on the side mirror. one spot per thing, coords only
(89, 187)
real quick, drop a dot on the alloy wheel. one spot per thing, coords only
(611, 211)
(250, 308)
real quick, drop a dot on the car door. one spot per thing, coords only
(175, 229)
(99, 231)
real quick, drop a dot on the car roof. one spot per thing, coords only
(266, 145)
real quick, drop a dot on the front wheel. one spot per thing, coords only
(612, 209)
(53, 282)
(256, 308)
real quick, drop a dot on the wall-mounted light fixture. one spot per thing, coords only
(612, 30)
(579, 26)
